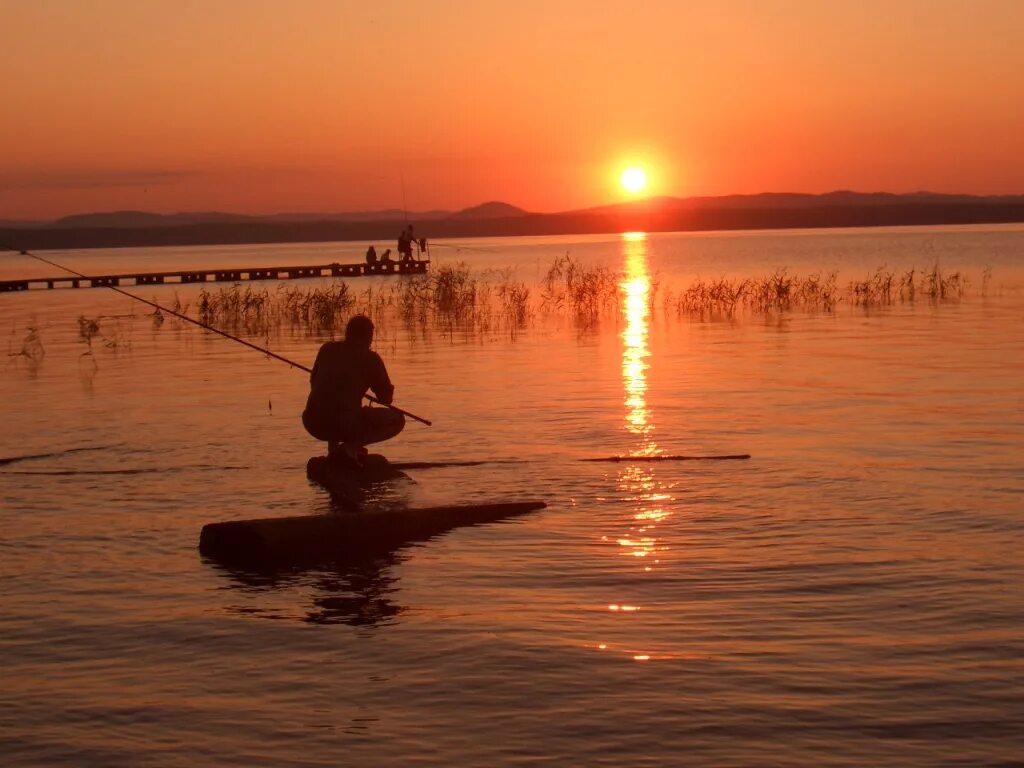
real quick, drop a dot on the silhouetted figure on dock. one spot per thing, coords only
(342, 374)
(386, 256)
(371, 255)
(405, 241)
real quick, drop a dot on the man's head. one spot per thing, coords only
(359, 331)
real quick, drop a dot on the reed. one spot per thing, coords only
(31, 350)
(586, 291)
(108, 329)
(324, 308)
(887, 287)
(454, 299)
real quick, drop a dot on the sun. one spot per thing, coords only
(633, 179)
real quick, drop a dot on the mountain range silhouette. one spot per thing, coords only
(660, 214)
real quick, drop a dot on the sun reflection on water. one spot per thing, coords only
(648, 499)
(635, 354)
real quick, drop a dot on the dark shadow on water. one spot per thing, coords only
(136, 471)
(356, 592)
(367, 603)
(344, 555)
(28, 457)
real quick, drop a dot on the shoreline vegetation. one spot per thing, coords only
(665, 214)
(458, 300)
(455, 298)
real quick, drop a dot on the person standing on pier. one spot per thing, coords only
(343, 373)
(405, 241)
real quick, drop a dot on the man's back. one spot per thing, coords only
(341, 376)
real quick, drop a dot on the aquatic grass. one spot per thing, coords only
(108, 329)
(781, 291)
(258, 310)
(515, 302)
(31, 350)
(88, 329)
(938, 286)
(456, 300)
(986, 280)
(702, 297)
(882, 287)
(587, 291)
(325, 308)
(177, 308)
(887, 287)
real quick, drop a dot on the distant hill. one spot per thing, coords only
(662, 214)
(135, 219)
(792, 201)
(143, 219)
(489, 211)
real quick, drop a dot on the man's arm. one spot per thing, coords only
(380, 383)
(316, 364)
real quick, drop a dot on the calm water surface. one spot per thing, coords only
(849, 596)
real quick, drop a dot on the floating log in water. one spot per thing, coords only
(442, 464)
(672, 458)
(321, 538)
(347, 483)
(27, 457)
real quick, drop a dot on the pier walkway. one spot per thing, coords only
(232, 275)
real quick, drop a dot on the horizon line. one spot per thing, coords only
(495, 201)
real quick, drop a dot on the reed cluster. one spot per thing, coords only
(585, 291)
(106, 329)
(259, 310)
(455, 299)
(887, 287)
(777, 292)
(450, 298)
(31, 350)
(781, 291)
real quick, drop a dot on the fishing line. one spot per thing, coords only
(464, 247)
(405, 207)
(204, 326)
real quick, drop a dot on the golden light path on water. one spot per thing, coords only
(636, 351)
(637, 481)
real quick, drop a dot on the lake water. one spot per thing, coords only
(850, 595)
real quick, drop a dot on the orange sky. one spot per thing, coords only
(332, 105)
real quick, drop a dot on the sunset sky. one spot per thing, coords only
(332, 105)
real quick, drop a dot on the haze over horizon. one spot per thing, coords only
(499, 208)
(332, 105)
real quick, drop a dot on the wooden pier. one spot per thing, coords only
(233, 275)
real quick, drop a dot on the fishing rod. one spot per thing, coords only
(204, 326)
(405, 206)
(464, 247)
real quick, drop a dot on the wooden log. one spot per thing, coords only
(616, 459)
(340, 477)
(340, 536)
(442, 464)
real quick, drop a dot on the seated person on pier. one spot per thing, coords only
(342, 374)
(385, 257)
(371, 255)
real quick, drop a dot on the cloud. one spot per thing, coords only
(47, 180)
